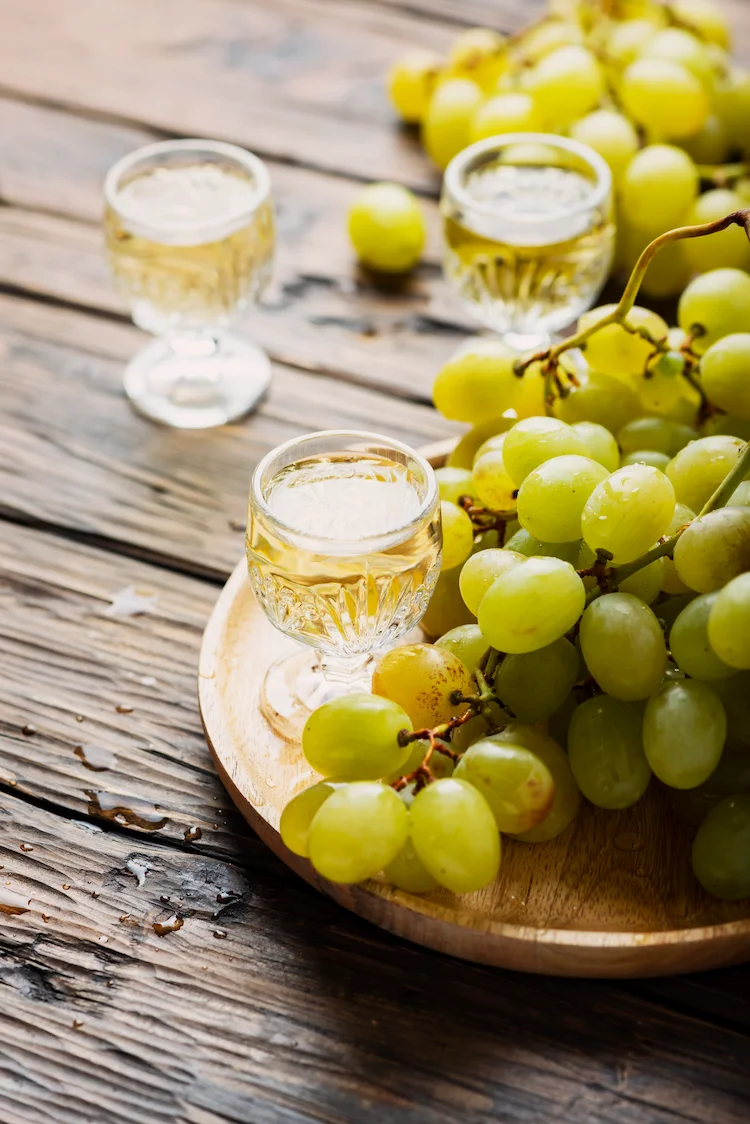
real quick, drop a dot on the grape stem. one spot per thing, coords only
(722, 174)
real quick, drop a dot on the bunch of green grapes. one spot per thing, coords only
(651, 87)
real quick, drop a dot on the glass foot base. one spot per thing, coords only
(297, 685)
(197, 390)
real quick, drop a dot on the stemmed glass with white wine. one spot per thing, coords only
(529, 233)
(190, 236)
(343, 551)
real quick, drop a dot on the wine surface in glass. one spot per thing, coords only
(327, 566)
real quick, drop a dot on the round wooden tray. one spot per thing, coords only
(612, 896)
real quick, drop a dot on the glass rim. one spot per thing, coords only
(385, 539)
(242, 156)
(452, 177)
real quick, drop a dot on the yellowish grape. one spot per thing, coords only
(446, 608)
(664, 97)
(660, 185)
(611, 135)
(387, 228)
(698, 469)
(355, 736)
(567, 799)
(516, 784)
(446, 124)
(476, 382)
(481, 570)
(628, 512)
(552, 497)
(602, 399)
(411, 81)
(706, 18)
(729, 248)
(466, 642)
(600, 443)
(421, 679)
(505, 113)
(614, 350)
(680, 46)
(453, 483)
(492, 483)
(455, 835)
(714, 305)
(724, 374)
(566, 84)
(458, 534)
(357, 831)
(531, 605)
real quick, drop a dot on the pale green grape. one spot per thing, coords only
(464, 452)
(455, 835)
(626, 40)
(600, 444)
(684, 728)
(387, 227)
(411, 81)
(357, 831)
(724, 373)
(505, 113)
(646, 456)
(605, 750)
(726, 424)
(552, 496)
(534, 685)
(478, 380)
(714, 305)
(446, 608)
(481, 570)
(660, 393)
(294, 826)
(688, 640)
(729, 622)
(602, 399)
(708, 146)
(623, 646)
(615, 351)
(534, 440)
(531, 605)
(732, 104)
(524, 543)
(408, 872)
(714, 549)
(660, 183)
(491, 445)
(458, 534)
(453, 483)
(728, 248)
(516, 784)
(466, 642)
(355, 736)
(421, 678)
(740, 497)
(492, 483)
(721, 850)
(611, 135)
(665, 97)
(680, 46)
(698, 469)
(566, 84)
(704, 17)
(478, 53)
(567, 799)
(646, 583)
(628, 512)
(656, 434)
(447, 121)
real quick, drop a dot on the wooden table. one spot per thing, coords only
(269, 1005)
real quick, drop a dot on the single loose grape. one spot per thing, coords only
(724, 374)
(689, 643)
(421, 679)
(516, 784)
(552, 497)
(714, 305)
(684, 728)
(493, 484)
(729, 623)
(661, 182)
(466, 642)
(623, 646)
(665, 97)
(628, 512)
(611, 135)
(531, 605)
(714, 549)
(646, 583)
(721, 850)
(481, 570)
(566, 84)
(446, 608)
(567, 798)
(726, 249)
(606, 755)
(455, 835)
(458, 534)
(408, 872)
(357, 831)
(475, 382)
(387, 227)
(447, 121)
(536, 684)
(411, 81)
(602, 399)
(706, 18)
(298, 814)
(453, 483)
(615, 351)
(600, 443)
(355, 736)
(505, 113)
(698, 469)
(647, 456)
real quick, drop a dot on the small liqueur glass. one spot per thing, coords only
(343, 551)
(529, 233)
(190, 237)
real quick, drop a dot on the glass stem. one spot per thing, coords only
(343, 671)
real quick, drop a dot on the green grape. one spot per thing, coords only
(708, 146)
(602, 399)
(605, 750)
(698, 469)
(458, 534)
(611, 135)
(724, 371)
(728, 248)
(408, 872)
(491, 445)
(463, 453)
(357, 831)
(455, 835)
(715, 304)
(411, 81)
(660, 181)
(294, 826)
(714, 549)
(615, 351)
(421, 679)
(505, 113)
(553, 496)
(726, 424)
(566, 84)
(680, 46)
(732, 104)
(466, 642)
(534, 440)
(729, 622)
(625, 41)
(600, 444)
(623, 646)
(541, 39)
(688, 639)
(721, 850)
(355, 736)
(647, 433)
(664, 97)
(478, 53)
(684, 728)
(628, 512)
(524, 543)
(446, 608)
(567, 799)
(492, 484)
(558, 725)
(731, 777)
(673, 583)
(668, 611)
(475, 382)
(646, 583)
(477, 727)
(516, 784)
(536, 684)
(453, 483)
(705, 18)
(646, 456)
(481, 570)
(446, 123)
(740, 497)
(387, 227)
(660, 393)
(531, 605)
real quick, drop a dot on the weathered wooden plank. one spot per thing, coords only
(302, 1013)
